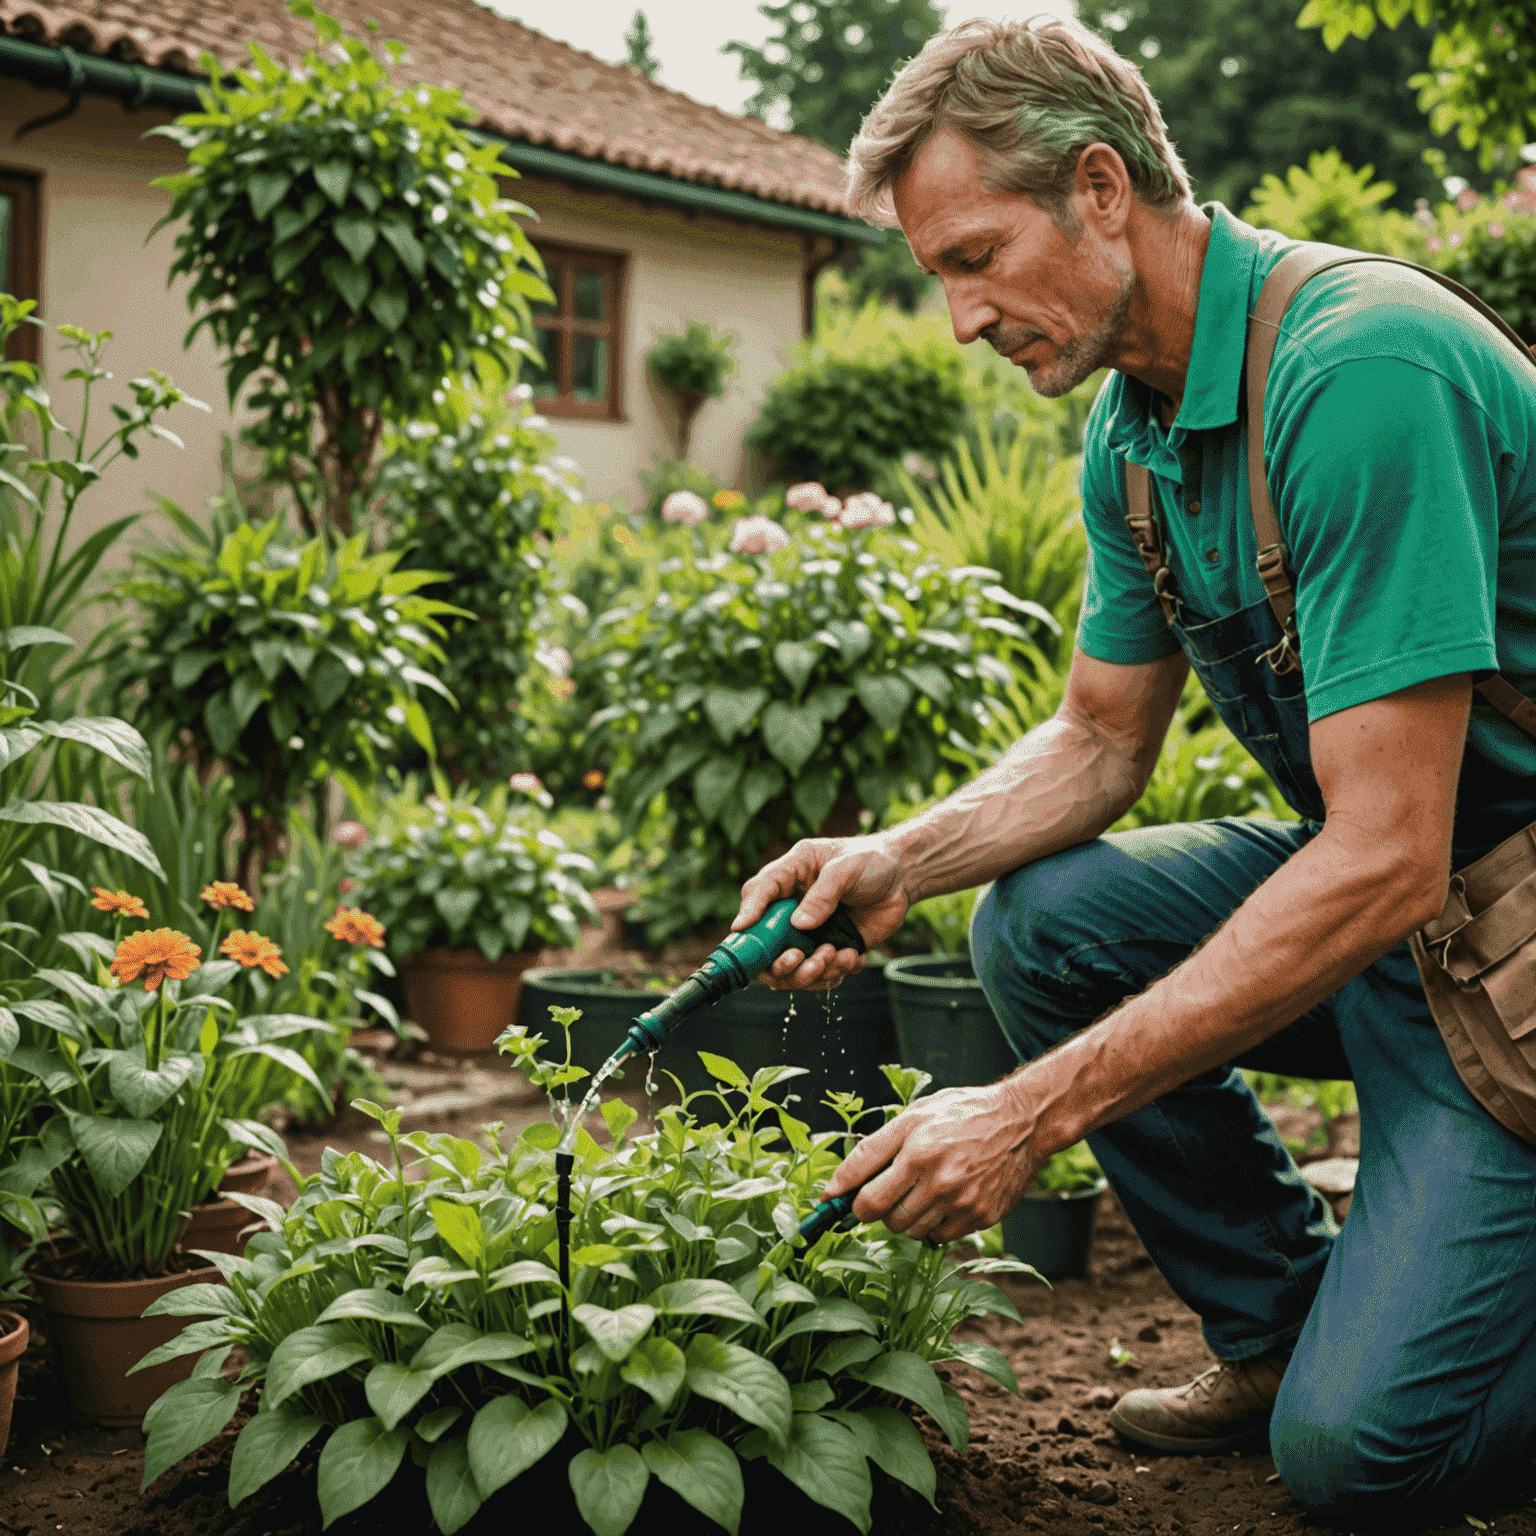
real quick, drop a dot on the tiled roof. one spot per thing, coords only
(521, 84)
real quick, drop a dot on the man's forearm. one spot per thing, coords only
(1064, 783)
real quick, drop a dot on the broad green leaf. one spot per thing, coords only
(393, 1390)
(507, 1437)
(357, 1463)
(457, 1344)
(617, 1331)
(702, 1298)
(841, 1353)
(10, 1033)
(853, 639)
(140, 1091)
(432, 1426)
(791, 733)
(196, 1301)
(930, 678)
(885, 696)
(334, 178)
(657, 1367)
(269, 1441)
(193, 1339)
(831, 700)
(731, 711)
(115, 1149)
(219, 717)
(390, 306)
(609, 1487)
(356, 232)
(349, 279)
(701, 1470)
(826, 1462)
(987, 1359)
(723, 1070)
(835, 1315)
(405, 245)
(89, 821)
(814, 796)
(894, 1443)
(451, 1488)
(305, 1356)
(759, 785)
(184, 1418)
(713, 781)
(617, 1116)
(904, 1374)
(266, 189)
(19, 636)
(808, 1396)
(796, 660)
(740, 1380)
(456, 907)
(189, 666)
(460, 1227)
(377, 1306)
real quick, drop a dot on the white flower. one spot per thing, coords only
(684, 507)
(808, 496)
(758, 535)
(866, 510)
(554, 658)
(918, 467)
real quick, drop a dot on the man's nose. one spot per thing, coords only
(970, 311)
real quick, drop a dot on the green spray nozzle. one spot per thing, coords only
(734, 962)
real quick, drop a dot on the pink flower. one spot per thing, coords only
(1526, 177)
(1496, 230)
(866, 510)
(1467, 199)
(684, 507)
(758, 535)
(525, 783)
(918, 467)
(1454, 238)
(1522, 199)
(349, 834)
(1435, 243)
(1423, 216)
(808, 496)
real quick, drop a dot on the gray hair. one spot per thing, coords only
(1029, 97)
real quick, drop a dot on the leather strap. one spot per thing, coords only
(1142, 521)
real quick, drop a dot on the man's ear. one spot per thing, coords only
(1102, 190)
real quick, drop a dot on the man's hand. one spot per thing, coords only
(857, 871)
(955, 1162)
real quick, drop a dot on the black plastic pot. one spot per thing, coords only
(841, 1037)
(1054, 1231)
(607, 1011)
(944, 1023)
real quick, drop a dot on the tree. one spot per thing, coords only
(638, 41)
(1245, 93)
(830, 61)
(1481, 79)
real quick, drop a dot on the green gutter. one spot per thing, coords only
(137, 85)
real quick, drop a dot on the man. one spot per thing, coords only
(1394, 1360)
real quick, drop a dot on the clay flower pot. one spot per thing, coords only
(461, 999)
(214, 1225)
(14, 1334)
(98, 1334)
(250, 1175)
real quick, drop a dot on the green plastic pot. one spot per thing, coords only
(1054, 1231)
(607, 1011)
(944, 1023)
(842, 1037)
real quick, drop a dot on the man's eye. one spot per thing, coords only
(976, 263)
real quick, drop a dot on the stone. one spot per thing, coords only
(1101, 1492)
(1332, 1175)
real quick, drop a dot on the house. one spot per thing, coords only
(653, 210)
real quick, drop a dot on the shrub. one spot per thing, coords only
(469, 495)
(694, 367)
(1492, 251)
(348, 247)
(1332, 202)
(859, 396)
(427, 1316)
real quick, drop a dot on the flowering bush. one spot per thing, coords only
(461, 870)
(1491, 249)
(760, 686)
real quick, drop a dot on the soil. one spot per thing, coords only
(1043, 1461)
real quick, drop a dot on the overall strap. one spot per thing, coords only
(1285, 280)
(1142, 521)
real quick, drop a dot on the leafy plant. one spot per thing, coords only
(463, 869)
(1332, 202)
(1067, 1172)
(1493, 252)
(758, 693)
(859, 396)
(467, 495)
(286, 664)
(694, 367)
(348, 247)
(429, 1316)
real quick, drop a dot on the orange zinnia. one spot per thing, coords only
(251, 950)
(117, 901)
(153, 956)
(225, 893)
(353, 926)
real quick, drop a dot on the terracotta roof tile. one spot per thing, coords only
(520, 83)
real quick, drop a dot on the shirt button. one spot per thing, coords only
(1213, 555)
(1194, 505)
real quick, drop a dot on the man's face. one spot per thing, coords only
(1055, 307)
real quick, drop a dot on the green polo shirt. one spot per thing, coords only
(1401, 452)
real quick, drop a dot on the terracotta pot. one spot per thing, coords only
(250, 1175)
(248, 1231)
(214, 1225)
(14, 1334)
(98, 1333)
(461, 999)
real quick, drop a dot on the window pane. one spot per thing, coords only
(591, 295)
(552, 275)
(545, 380)
(7, 278)
(589, 367)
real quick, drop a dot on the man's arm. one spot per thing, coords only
(1063, 783)
(1378, 870)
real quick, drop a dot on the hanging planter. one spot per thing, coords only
(14, 1334)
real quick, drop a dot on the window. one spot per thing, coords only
(19, 255)
(579, 334)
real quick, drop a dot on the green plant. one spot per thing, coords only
(464, 868)
(1491, 249)
(348, 246)
(429, 1316)
(286, 664)
(1331, 1097)
(467, 495)
(857, 397)
(694, 367)
(758, 693)
(1332, 202)
(1067, 1172)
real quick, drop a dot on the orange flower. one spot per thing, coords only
(728, 501)
(251, 950)
(225, 893)
(153, 956)
(594, 778)
(354, 926)
(117, 901)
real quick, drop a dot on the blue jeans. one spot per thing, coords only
(1415, 1358)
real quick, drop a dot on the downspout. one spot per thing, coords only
(814, 266)
(70, 107)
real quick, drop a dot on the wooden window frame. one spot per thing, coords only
(614, 264)
(24, 188)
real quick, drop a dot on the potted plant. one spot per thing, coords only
(690, 1331)
(1051, 1228)
(693, 368)
(140, 1064)
(469, 888)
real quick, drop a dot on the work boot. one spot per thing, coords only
(1225, 1407)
